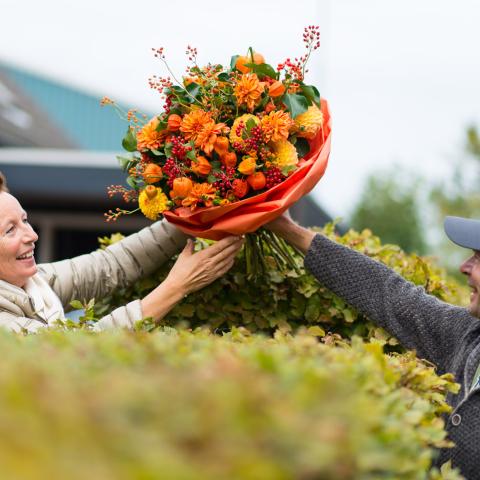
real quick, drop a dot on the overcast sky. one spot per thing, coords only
(402, 76)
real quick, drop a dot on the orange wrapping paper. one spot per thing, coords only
(248, 215)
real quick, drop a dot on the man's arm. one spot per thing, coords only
(418, 320)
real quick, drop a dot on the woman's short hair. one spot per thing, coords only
(3, 183)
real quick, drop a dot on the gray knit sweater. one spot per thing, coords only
(444, 334)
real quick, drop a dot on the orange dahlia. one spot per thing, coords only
(148, 138)
(193, 123)
(248, 90)
(276, 126)
(200, 193)
(308, 124)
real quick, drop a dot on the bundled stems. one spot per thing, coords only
(263, 244)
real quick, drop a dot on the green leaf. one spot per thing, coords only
(224, 76)
(125, 162)
(287, 169)
(312, 312)
(233, 61)
(263, 70)
(132, 182)
(193, 89)
(191, 155)
(295, 103)
(211, 178)
(250, 124)
(311, 93)
(302, 147)
(76, 304)
(129, 142)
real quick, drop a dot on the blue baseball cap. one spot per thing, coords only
(463, 231)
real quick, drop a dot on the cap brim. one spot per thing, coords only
(463, 231)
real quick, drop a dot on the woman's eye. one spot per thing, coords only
(10, 230)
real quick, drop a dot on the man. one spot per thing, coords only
(446, 335)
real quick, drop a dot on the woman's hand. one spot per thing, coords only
(191, 272)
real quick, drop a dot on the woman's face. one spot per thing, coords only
(17, 242)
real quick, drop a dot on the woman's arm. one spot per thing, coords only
(98, 274)
(191, 272)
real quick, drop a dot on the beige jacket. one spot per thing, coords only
(94, 275)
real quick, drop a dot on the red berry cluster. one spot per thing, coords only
(274, 176)
(159, 83)
(224, 182)
(255, 141)
(192, 53)
(180, 150)
(172, 171)
(311, 37)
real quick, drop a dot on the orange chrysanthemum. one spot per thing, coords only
(276, 126)
(148, 138)
(193, 123)
(248, 90)
(200, 193)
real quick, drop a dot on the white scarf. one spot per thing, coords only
(47, 304)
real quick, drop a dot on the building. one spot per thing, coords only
(58, 152)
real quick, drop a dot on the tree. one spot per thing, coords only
(389, 207)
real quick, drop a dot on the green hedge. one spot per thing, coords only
(288, 300)
(182, 405)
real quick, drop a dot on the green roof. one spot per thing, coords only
(77, 114)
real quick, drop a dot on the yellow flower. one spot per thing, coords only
(153, 203)
(309, 123)
(243, 119)
(285, 154)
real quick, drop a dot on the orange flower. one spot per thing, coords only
(207, 136)
(193, 123)
(201, 166)
(276, 89)
(240, 188)
(276, 126)
(248, 90)
(148, 138)
(200, 193)
(247, 166)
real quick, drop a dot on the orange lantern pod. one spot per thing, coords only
(257, 180)
(221, 145)
(244, 59)
(201, 166)
(229, 159)
(240, 188)
(276, 89)
(181, 187)
(247, 166)
(152, 173)
(174, 121)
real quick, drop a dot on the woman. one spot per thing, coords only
(33, 297)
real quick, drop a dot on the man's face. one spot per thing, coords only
(471, 268)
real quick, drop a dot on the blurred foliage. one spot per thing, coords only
(290, 299)
(459, 196)
(192, 405)
(389, 206)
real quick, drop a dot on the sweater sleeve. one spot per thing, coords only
(98, 274)
(419, 321)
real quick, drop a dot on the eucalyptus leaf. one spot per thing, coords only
(129, 142)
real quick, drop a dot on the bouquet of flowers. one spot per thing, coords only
(233, 148)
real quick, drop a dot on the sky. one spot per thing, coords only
(402, 77)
